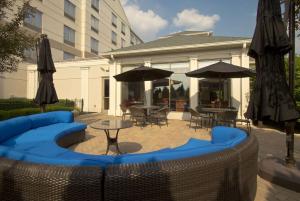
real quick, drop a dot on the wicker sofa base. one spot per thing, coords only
(229, 176)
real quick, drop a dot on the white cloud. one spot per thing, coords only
(146, 24)
(191, 19)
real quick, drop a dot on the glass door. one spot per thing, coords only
(106, 94)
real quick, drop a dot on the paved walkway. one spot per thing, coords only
(137, 140)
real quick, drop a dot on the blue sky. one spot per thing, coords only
(153, 18)
(232, 18)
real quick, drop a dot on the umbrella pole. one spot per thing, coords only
(290, 126)
(43, 108)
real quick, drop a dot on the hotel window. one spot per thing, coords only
(94, 24)
(69, 10)
(213, 92)
(113, 19)
(114, 38)
(122, 43)
(33, 19)
(30, 55)
(68, 56)
(175, 91)
(69, 36)
(132, 92)
(123, 28)
(95, 5)
(132, 39)
(94, 45)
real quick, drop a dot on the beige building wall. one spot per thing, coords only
(53, 21)
(14, 84)
(78, 80)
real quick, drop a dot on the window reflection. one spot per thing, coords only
(214, 93)
(132, 92)
(174, 91)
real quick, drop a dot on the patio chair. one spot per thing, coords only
(196, 118)
(247, 122)
(226, 118)
(138, 116)
(125, 112)
(207, 118)
(159, 116)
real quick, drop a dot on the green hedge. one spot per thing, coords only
(22, 103)
(27, 111)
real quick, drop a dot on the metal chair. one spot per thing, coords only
(205, 117)
(226, 118)
(124, 109)
(138, 116)
(159, 116)
(195, 117)
(247, 122)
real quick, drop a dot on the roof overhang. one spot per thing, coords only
(182, 48)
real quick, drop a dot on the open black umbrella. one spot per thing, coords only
(46, 93)
(271, 98)
(221, 70)
(143, 73)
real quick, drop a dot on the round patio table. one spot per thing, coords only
(108, 125)
(147, 108)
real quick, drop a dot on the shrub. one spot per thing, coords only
(21, 103)
(28, 111)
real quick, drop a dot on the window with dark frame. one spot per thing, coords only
(123, 29)
(95, 5)
(69, 36)
(94, 24)
(114, 20)
(69, 10)
(68, 56)
(94, 45)
(33, 19)
(122, 43)
(114, 38)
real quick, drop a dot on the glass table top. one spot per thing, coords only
(111, 124)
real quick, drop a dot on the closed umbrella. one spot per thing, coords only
(46, 93)
(271, 98)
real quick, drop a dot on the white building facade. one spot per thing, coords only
(93, 81)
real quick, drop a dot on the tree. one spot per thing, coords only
(286, 13)
(13, 39)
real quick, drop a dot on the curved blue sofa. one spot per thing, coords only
(31, 155)
(34, 139)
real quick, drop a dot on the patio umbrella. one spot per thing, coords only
(143, 73)
(46, 93)
(222, 70)
(271, 98)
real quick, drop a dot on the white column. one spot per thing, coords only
(118, 91)
(83, 36)
(84, 74)
(236, 100)
(194, 86)
(115, 91)
(245, 81)
(32, 83)
(148, 87)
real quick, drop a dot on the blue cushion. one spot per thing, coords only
(228, 136)
(13, 154)
(168, 155)
(50, 133)
(48, 118)
(12, 127)
(193, 143)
